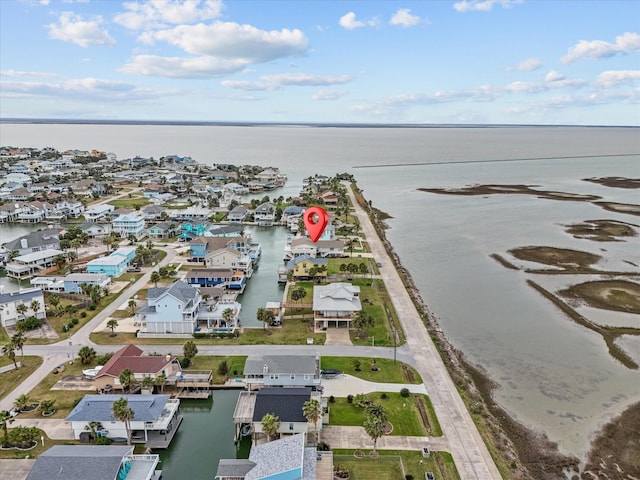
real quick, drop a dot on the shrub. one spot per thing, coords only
(404, 393)
(408, 476)
(83, 314)
(349, 398)
(65, 328)
(383, 396)
(103, 441)
(92, 306)
(223, 368)
(185, 362)
(75, 321)
(323, 447)
(102, 359)
(332, 399)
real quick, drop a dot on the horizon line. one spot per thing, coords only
(72, 121)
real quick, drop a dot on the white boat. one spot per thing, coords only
(92, 372)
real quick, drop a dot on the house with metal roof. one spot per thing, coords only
(104, 462)
(282, 371)
(335, 304)
(155, 418)
(286, 404)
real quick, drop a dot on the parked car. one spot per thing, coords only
(429, 476)
(330, 373)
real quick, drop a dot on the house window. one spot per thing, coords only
(291, 426)
(293, 377)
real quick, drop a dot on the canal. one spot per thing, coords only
(204, 437)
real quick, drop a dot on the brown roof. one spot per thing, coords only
(131, 357)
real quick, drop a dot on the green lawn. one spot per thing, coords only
(402, 414)
(36, 451)
(207, 362)
(389, 466)
(9, 380)
(389, 371)
(133, 202)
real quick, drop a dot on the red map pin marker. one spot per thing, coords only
(315, 221)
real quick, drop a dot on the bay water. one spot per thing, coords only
(553, 375)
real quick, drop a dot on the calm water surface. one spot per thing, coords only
(554, 375)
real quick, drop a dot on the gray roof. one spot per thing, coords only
(97, 408)
(224, 229)
(338, 297)
(24, 296)
(181, 290)
(285, 403)
(254, 364)
(74, 462)
(316, 261)
(34, 239)
(84, 277)
(276, 457)
(265, 208)
(232, 467)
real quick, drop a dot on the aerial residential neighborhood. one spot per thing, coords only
(140, 268)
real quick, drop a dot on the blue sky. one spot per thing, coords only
(409, 61)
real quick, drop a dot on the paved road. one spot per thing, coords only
(467, 447)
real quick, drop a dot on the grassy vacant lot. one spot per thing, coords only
(388, 465)
(10, 379)
(334, 265)
(292, 332)
(132, 202)
(389, 372)
(207, 362)
(402, 413)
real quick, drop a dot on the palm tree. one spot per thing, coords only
(18, 341)
(9, 351)
(35, 306)
(112, 324)
(123, 413)
(87, 355)
(59, 260)
(132, 305)
(126, 379)
(147, 382)
(161, 381)
(54, 300)
(5, 420)
(21, 309)
(22, 402)
(376, 410)
(312, 412)
(374, 428)
(270, 425)
(155, 278)
(227, 315)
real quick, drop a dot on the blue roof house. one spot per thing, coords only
(113, 265)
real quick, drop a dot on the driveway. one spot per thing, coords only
(337, 336)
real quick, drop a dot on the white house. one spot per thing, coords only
(320, 249)
(9, 315)
(26, 266)
(131, 223)
(172, 310)
(98, 212)
(335, 303)
(265, 214)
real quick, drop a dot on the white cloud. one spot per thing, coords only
(628, 42)
(553, 76)
(404, 18)
(613, 78)
(527, 65)
(179, 67)
(348, 21)
(86, 89)
(72, 28)
(328, 94)
(19, 73)
(159, 13)
(276, 81)
(231, 40)
(482, 5)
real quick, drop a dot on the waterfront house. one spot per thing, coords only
(9, 315)
(171, 310)
(213, 277)
(26, 266)
(155, 417)
(48, 283)
(105, 462)
(98, 212)
(131, 223)
(271, 177)
(236, 188)
(225, 231)
(239, 214)
(305, 267)
(131, 357)
(229, 258)
(96, 230)
(265, 214)
(154, 212)
(35, 242)
(284, 459)
(200, 247)
(335, 304)
(320, 249)
(73, 282)
(286, 404)
(282, 371)
(70, 208)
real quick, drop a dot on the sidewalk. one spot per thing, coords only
(356, 437)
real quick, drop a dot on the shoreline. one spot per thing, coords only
(523, 453)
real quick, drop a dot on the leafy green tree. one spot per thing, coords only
(270, 425)
(155, 278)
(121, 410)
(312, 412)
(189, 349)
(265, 316)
